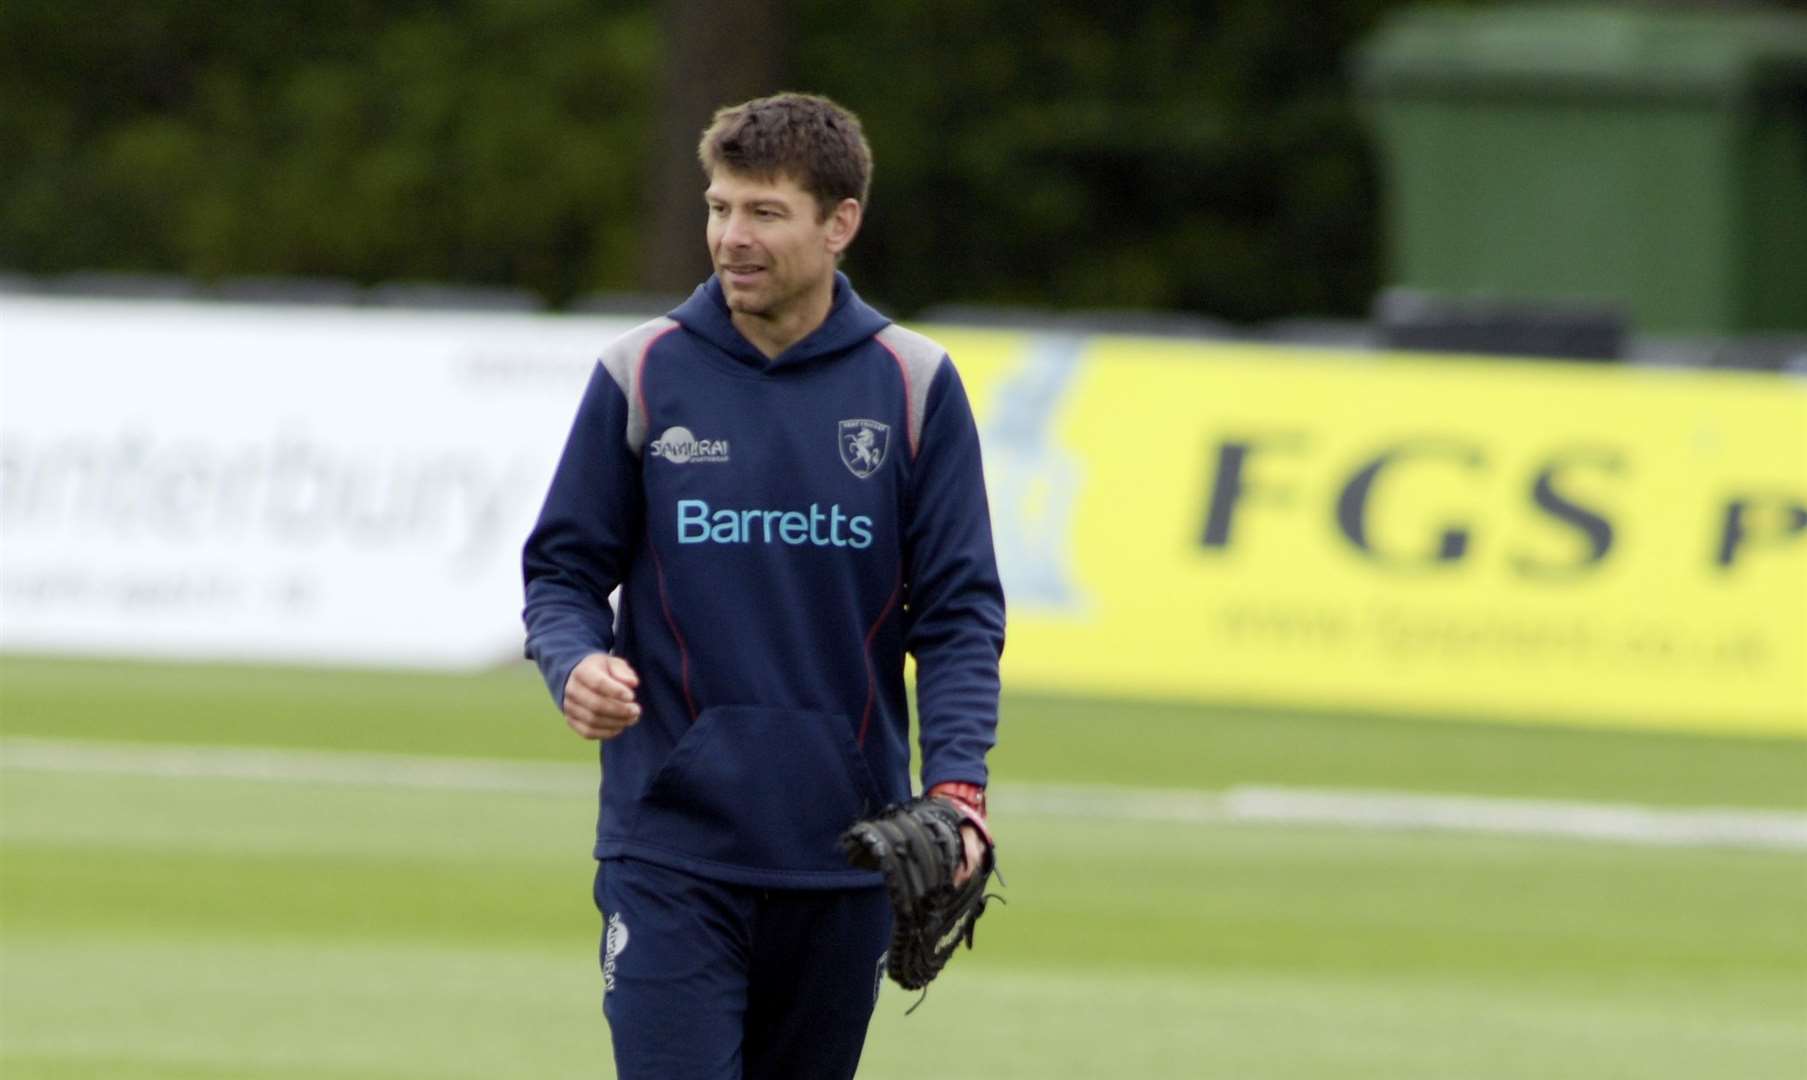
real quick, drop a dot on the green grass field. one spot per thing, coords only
(162, 926)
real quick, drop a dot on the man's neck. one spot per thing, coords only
(772, 334)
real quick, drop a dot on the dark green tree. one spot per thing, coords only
(494, 141)
(1157, 154)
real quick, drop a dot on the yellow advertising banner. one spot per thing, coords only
(1444, 536)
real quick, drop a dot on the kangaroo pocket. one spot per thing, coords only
(765, 788)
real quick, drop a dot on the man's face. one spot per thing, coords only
(770, 245)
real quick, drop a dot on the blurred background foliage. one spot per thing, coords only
(483, 142)
(1197, 156)
(1201, 156)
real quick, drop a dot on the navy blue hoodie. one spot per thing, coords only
(783, 531)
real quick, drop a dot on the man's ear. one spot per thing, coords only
(843, 225)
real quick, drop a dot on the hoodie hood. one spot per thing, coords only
(850, 321)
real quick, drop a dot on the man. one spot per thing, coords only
(787, 488)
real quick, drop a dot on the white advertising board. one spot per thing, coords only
(336, 485)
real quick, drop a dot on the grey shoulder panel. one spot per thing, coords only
(623, 359)
(920, 357)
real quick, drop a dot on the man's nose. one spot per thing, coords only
(735, 232)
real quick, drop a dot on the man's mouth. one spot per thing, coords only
(741, 272)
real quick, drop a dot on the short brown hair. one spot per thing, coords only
(808, 138)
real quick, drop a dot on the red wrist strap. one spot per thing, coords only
(970, 798)
(971, 794)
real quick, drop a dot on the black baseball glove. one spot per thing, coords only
(918, 848)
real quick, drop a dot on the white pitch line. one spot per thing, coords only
(1624, 823)
(288, 766)
(1374, 810)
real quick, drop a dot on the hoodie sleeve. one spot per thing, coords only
(579, 549)
(954, 614)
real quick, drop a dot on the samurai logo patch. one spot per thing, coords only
(614, 943)
(863, 446)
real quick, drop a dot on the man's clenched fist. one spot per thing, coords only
(599, 696)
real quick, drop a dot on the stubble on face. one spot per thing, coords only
(767, 240)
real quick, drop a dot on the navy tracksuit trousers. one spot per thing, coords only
(706, 980)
